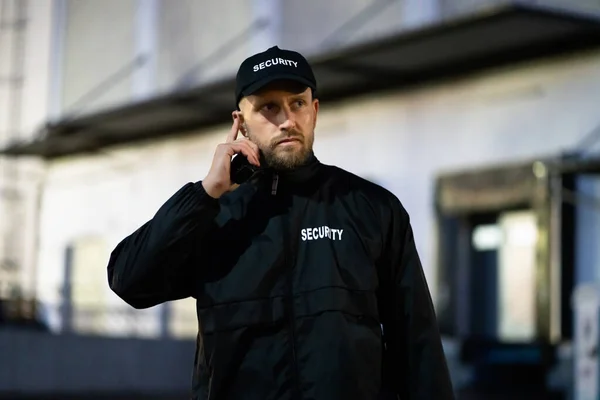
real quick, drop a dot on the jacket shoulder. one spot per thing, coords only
(372, 191)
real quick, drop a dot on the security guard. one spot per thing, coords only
(307, 280)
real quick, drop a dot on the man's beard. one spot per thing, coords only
(284, 159)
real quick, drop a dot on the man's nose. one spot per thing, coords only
(288, 120)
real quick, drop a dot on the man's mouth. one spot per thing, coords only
(288, 140)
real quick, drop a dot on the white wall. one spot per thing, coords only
(201, 41)
(23, 110)
(402, 140)
(98, 45)
(310, 24)
(24, 103)
(193, 41)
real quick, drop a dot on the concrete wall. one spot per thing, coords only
(39, 363)
(402, 140)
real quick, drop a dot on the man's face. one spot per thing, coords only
(281, 119)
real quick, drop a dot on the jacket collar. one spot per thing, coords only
(302, 173)
(298, 180)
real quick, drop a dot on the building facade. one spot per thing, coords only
(401, 140)
(102, 57)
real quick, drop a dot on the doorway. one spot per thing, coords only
(503, 252)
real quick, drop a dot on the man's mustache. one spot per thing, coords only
(290, 135)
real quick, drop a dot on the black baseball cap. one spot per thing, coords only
(272, 65)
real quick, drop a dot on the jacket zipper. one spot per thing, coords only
(289, 261)
(274, 184)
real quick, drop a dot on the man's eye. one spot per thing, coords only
(269, 107)
(300, 103)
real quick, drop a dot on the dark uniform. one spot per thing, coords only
(308, 286)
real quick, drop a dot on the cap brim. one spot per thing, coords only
(256, 86)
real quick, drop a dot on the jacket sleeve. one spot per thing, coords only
(158, 262)
(414, 362)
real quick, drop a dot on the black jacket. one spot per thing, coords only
(296, 276)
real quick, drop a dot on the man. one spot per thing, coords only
(307, 280)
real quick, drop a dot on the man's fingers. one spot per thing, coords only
(251, 143)
(241, 145)
(245, 147)
(235, 129)
(251, 155)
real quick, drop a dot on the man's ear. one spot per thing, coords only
(238, 114)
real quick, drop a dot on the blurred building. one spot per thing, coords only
(25, 61)
(471, 112)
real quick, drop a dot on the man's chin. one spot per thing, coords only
(287, 160)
